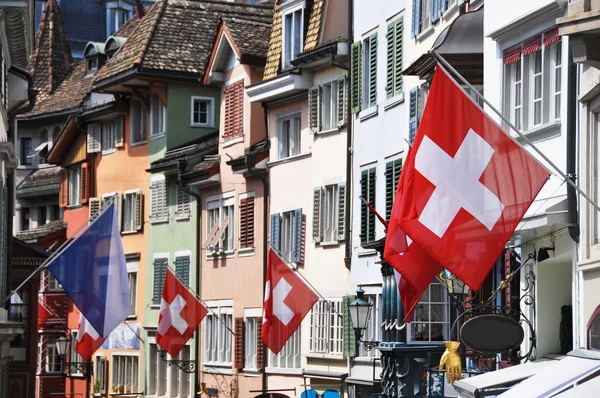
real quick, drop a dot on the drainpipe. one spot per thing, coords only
(572, 215)
(348, 204)
(181, 168)
(266, 189)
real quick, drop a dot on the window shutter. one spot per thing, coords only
(398, 53)
(64, 189)
(139, 211)
(371, 199)
(183, 203)
(163, 204)
(238, 362)
(317, 214)
(94, 209)
(391, 59)
(416, 18)
(103, 365)
(392, 175)
(247, 222)
(160, 271)
(373, 70)
(435, 11)
(364, 210)
(182, 269)
(341, 211)
(85, 183)
(356, 53)
(153, 200)
(275, 231)
(342, 101)
(94, 131)
(298, 236)
(347, 330)
(413, 117)
(313, 110)
(259, 347)
(442, 7)
(119, 132)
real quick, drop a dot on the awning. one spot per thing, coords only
(562, 375)
(473, 386)
(587, 389)
(545, 212)
(38, 149)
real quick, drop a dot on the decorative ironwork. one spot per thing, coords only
(394, 372)
(187, 366)
(85, 368)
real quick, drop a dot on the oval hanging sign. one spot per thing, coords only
(491, 333)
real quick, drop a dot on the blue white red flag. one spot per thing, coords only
(93, 273)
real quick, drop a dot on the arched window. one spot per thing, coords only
(55, 134)
(593, 330)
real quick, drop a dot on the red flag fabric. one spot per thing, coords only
(43, 313)
(88, 340)
(372, 210)
(287, 301)
(466, 184)
(180, 314)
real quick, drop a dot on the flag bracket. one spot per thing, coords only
(85, 368)
(185, 365)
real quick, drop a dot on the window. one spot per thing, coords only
(55, 135)
(217, 337)
(221, 225)
(167, 381)
(251, 343)
(426, 12)
(132, 282)
(42, 215)
(247, 221)
(125, 372)
(100, 373)
(26, 147)
(417, 99)
(425, 18)
(18, 313)
(369, 72)
(326, 335)
(290, 355)
(108, 135)
(53, 360)
(75, 357)
(182, 267)
(328, 213)
(537, 87)
(373, 331)
(202, 112)
(395, 34)
(157, 116)
(159, 205)
(160, 271)
(367, 219)
(92, 64)
(288, 136)
(293, 37)
(132, 211)
(25, 219)
(75, 185)
(116, 19)
(234, 110)
(392, 175)
(183, 203)
(138, 122)
(288, 232)
(53, 284)
(431, 317)
(557, 78)
(327, 106)
(55, 215)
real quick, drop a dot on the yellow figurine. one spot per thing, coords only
(451, 360)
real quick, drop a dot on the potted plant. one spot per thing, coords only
(121, 389)
(97, 386)
(115, 388)
(127, 389)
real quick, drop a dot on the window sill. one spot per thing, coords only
(367, 253)
(368, 360)
(251, 372)
(232, 141)
(285, 371)
(73, 207)
(133, 144)
(217, 368)
(247, 252)
(109, 151)
(220, 255)
(540, 129)
(131, 318)
(447, 14)
(160, 135)
(394, 101)
(160, 221)
(328, 131)
(76, 375)
(154, 306)
(314, 355)
(289, 159)
(129, 232)
(330, 243)
(26, 167)
(183, 217)
(421, 36)
(368, 113)
(203, 125)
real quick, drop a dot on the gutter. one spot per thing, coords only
(348, 204)
(571, 170)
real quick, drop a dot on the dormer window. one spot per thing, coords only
(117, 13)
(293, 31)
(92, 64)
(94, 57)
(113, 43)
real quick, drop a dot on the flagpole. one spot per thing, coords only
(295, 269)
(443, 64)
(61, 248)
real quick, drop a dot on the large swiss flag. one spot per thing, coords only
(180, 314)
(88, 340)
(287, 301)
(466, 184)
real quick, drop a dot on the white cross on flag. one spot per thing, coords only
(88, 340)
(180, 314)
(287, 301)
(466, 184)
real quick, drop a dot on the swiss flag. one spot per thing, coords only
(180, 314)
(43, 313)
(88, 340)
(287, 301)
(466, 184)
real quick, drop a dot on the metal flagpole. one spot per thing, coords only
(61, 248)
(295, 269)
(445, 66)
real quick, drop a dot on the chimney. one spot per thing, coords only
(139, 9)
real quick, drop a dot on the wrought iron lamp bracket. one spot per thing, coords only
(85, 368)
(187, 366)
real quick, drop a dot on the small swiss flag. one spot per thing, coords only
(180, 314)
(43, 313)
(88, 340)
(287, 301)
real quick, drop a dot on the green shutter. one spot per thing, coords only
(391, 58)
(398, 52)
(356, 54)
(413, 114)
(347, 329)
(367, 219)
(160, 271)
(373, 70)
(392, 175)
(371, 199)
(182, 269)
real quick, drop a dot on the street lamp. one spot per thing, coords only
(85, 368)
(454, 285)
(188, 366)
(360, 312)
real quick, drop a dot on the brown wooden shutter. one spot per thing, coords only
(234, 110)
(259, 347)
(239, 109)
(239, 343)
(139, 211)
(247, 222)
(85, 183)
(228, 128)
(63, 197)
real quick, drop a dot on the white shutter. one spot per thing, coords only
(119, 204)
(342, 102)
(94, 209)
(163, 204)
(119, 132)
(94, 134)
(139, 211)
(183, 203)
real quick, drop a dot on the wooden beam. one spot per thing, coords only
(143, 98)
(158, 90)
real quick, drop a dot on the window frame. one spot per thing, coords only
(26, 148)
(291, 118)
(138, 137)
(132, 194)
(52, 358)
(74, 193)
(108, 137)
(25, 217)
(291, 8)
(294, 344)
(132, 269)
(445, 323)
(75, 357)
(251, 342)
(330, 217)
(367, 58)
(157, 109)
(289, 223)
(216, 205)
(214, 354)
(210, 111)
(326, 328)
(135, 375)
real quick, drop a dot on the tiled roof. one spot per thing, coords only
(41, 178)
(202, 145)
(51, 62)
(178, 35)
(204, 165)
(274, 53)
(314, 25)
(44, 230)
(16, 25)
(251, 36)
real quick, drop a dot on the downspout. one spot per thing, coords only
(181, 168)
(348, 204)
(266, 195)
(572, 216)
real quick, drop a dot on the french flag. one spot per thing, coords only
(93, 273)
(88, 340)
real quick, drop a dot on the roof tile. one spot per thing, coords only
(314, 25)
(274, 53)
